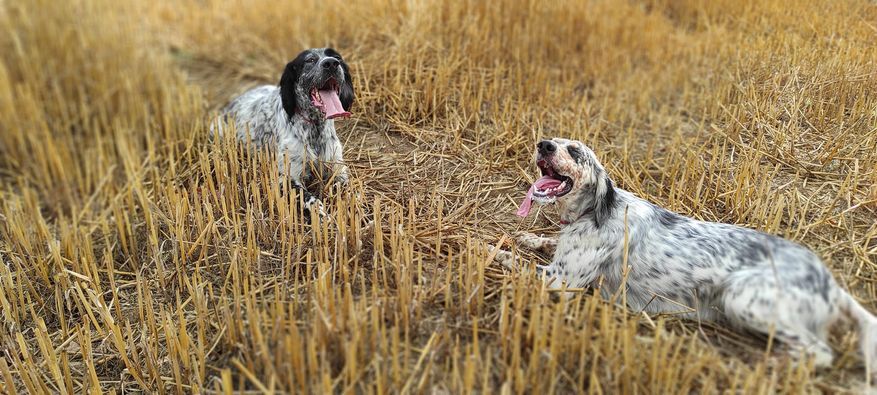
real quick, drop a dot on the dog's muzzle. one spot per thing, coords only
(551, 186)
(325, 96)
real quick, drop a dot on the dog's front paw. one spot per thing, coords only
(502, 257)
(536, 242)
(315, 206)
(529, 240)
(342, 178)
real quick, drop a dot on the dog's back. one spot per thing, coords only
(256, 114)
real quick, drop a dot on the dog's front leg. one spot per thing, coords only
(503, 257)
(539, 243)
(530, 241)
(311, 203)
(335, 156)
(509, 260)
(293, 169)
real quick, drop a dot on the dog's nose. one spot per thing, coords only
(329, 63)
(546, 147)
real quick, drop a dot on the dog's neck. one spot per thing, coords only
(588, 204)
(582, 215)
(306, 111)
(313, 117)
(317, 133)
(575, 207)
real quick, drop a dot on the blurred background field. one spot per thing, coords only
(137, 255)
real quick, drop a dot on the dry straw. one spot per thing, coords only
(136, 254)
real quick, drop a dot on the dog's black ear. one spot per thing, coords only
(288, 82)
(346, 93)
(604, 200)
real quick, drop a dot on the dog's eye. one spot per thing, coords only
(575, 153)
(311, 60)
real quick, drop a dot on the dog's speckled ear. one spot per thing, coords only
(288, 81)
(604, 198)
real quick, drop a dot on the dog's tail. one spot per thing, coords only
(867, 323)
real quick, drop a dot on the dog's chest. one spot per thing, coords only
(582, 258)
(308, 141)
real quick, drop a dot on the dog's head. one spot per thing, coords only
(317, 84)
(573, 178)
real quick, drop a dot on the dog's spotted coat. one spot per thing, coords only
(721, 272)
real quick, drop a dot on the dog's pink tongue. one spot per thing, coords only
(332, 104)
(524, 209)
(543, 183)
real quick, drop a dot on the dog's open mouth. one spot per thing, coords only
(327, 100)
(546, 189)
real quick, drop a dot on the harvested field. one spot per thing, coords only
(139, 255)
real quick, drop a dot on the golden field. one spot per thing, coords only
(138, 255)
